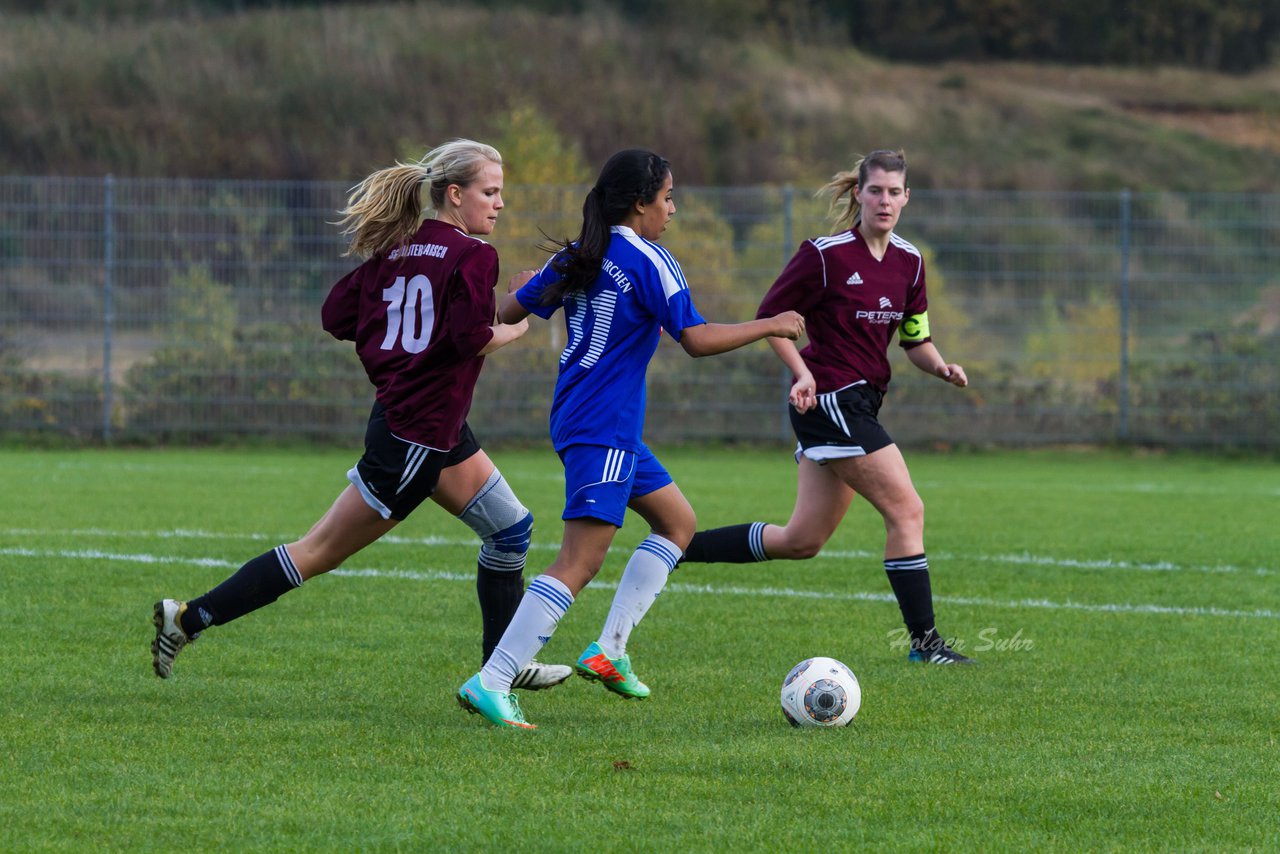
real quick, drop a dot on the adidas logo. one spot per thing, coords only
(885, 302)
(855, 279)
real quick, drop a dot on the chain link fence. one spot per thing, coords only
(188, 311)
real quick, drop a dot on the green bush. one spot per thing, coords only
(34, 404)
(264, 383)
(1219, 384)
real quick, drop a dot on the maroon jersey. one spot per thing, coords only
(420, 315)
(852, 304)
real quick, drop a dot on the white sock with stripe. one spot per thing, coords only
(642, 581)
(545, 602)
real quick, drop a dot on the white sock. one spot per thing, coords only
(642, 581)
(544, 603)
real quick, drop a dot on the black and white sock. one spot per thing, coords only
(259, 582)
(909, 578)
(732, 544)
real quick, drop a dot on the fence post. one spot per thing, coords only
(1126, 227)
(788, 193)
(108, 305)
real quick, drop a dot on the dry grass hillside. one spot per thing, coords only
(333, 92)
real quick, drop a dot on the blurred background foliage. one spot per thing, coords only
(1177, 95)
(1024, 122)
(1218, 35)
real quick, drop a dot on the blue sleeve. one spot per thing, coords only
(666, 294)
(681, 314)
(530, 295)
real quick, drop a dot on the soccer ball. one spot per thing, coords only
(820, 692)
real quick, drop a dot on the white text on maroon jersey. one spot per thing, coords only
(880, 317)
(416, 250)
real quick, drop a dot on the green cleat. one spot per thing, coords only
(614, 673)
(497, 708)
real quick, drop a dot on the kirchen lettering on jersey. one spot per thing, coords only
(614, 272)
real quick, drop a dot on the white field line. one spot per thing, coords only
(1023, 559)
(675, 587)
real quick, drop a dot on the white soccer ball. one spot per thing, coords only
(820, 692)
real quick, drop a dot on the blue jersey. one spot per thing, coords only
(613, 332)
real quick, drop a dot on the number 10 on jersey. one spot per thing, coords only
(411, 313)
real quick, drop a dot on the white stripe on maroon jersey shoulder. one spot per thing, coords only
(835, 240)
(904, 245)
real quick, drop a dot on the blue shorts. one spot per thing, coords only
(599, 482)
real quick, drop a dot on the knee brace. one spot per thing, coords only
(504, 524)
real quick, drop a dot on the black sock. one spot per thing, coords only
(500, 592)
(909, 577)
(733, 544)
(259, 582)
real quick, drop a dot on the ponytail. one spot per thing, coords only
(628, 176)
(384, 210)
(578, 261)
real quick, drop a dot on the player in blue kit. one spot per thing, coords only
(857, 288)
(618, 289)
(421, 313)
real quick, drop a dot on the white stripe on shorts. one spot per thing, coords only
(613, 462)
(412, 462)
(832, 409)
(822, 453)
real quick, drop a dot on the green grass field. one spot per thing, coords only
(1124, 607)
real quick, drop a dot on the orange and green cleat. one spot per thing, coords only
(614, 673)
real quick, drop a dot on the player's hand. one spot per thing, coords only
(519, 280)
(788, 325)
(504, 334)
(804, 393)
(953, 374)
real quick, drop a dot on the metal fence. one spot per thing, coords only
(172, 310)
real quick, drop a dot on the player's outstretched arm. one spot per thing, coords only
(504, 334)
(710, 339)
(509, 309)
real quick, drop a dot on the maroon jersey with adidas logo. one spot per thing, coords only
(420, 315)
(852, 304)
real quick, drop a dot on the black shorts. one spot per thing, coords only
(396, 475)
(843, 424)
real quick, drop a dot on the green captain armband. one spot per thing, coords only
(914, 328)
